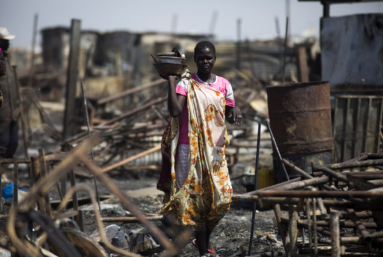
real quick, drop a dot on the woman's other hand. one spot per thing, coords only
(234, 115)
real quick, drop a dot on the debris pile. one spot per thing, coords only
(334, 211)
(61, 234)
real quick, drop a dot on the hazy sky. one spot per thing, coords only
(258, 16)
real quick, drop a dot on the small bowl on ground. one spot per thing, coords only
(166, 69)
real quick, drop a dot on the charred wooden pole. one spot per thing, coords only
(276, 149)
(255, 187)
(315, 228)
(326, 8)
(91, 152)
(335, 235)
(303, 73)
(285, 50)
(328, 203)
(32, 64)
(343, 224)
(132, 158)
(309, 226)
(1, 196)
(36, 177)
(302, 172)
(135, 111)
(319, 202)
(72, 178)
(238, 65)
(282, 228)
(69, 126)
(334, 174)
(159, 114)
(293, 229)
(350, 165)
(129, 92)
(326, 194)
(280, 43)
(15, 183)
(25, 140)
(360, 227)
(44, 173)
(69, 123)
(130, 219)
(275, 186)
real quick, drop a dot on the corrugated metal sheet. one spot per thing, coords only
(357, 126)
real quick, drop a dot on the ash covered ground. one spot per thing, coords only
(230, 237)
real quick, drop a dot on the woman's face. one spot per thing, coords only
(205, 59)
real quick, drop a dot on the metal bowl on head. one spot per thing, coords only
(171, 59)
(167, 69)
(167, 54)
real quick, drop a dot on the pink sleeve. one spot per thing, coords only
(229, 95)
(180, 90)
(182, 87)
(230, 103)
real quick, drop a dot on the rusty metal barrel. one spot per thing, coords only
(300, 118)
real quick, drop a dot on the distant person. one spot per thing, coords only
(9, 112)
(2, 64)
(198, 179)
(2, 73)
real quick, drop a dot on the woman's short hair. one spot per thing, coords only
(203, 44)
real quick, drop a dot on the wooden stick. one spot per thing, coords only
(293, 229)
(15, 183)
(359, 225)
(129, 92)
(43, 169)
(135, 111)
(309, 226)
(335, 235)
(325, 223)
(129, 219)
(281, 228)
(25, 140)
(132, 158)
(315, 228)
(285, 50)
(32, 64)
(37, 177)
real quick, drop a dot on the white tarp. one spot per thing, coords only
(352, 49)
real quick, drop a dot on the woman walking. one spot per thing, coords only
(193, 148)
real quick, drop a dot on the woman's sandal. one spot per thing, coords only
(211, 251)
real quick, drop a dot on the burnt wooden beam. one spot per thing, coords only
(69, 126)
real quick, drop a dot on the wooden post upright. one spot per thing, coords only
(69, 126)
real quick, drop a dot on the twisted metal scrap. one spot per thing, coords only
(42, 188)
